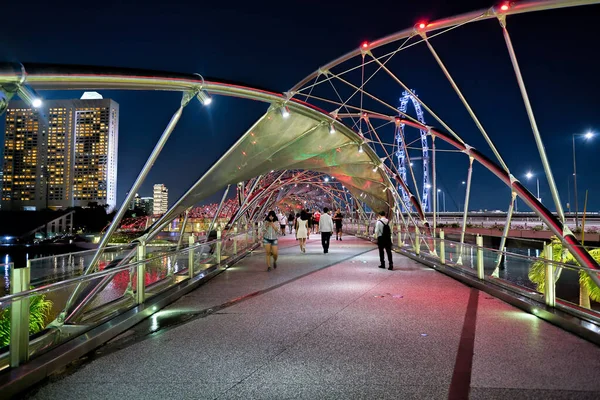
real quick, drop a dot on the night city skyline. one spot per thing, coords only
(240, 47)
(450, 146)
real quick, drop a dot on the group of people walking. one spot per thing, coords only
(325, 224)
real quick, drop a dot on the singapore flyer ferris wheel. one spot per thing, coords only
(402, 150)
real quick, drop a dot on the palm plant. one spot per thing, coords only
(587, 287)
(39, 309)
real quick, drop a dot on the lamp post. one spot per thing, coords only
(530, 175)
(443, 199)
(463, 204)
(587, 136)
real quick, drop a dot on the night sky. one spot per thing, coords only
(273, 45)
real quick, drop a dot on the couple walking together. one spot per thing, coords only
(325, 227)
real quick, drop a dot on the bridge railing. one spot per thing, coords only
(26, 330)
(542, 279)
(55, 268)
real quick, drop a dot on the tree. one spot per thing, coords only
(587, 287)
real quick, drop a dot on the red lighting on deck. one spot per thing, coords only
(504, 7)
(422, 25)
(364, 45)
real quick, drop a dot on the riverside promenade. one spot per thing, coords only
(334, 326)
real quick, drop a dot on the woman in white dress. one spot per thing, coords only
(302, 230)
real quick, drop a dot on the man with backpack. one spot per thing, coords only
(383, 233)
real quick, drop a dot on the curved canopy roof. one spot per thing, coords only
(300, 138)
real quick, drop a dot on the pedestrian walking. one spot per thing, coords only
(282, 222)
(316, 219)
(290, 221)
(326, 229)
(383, 233)
(296, 224)
(337, 219)
(270, 230)
(302, 230)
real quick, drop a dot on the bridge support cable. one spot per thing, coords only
(67, 313)
(511, 206)
(536, 133)
(182, 229)
(373, 97)
(390, 158)
(465, 211)
(465, 103)
(216, 216)
(342, 104)
(356, 89)
(429, 110)
(407, 34)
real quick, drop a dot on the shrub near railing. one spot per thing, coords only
(39, 311)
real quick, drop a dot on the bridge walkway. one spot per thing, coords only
(332, 326)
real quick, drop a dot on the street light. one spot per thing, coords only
(587, 136)
(530, 175)
(443, 199)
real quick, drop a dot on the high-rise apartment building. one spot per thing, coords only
(161, 199)
(62, 154)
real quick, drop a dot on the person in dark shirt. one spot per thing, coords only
(290, 221)
(337, 220)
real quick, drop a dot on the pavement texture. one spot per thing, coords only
(333, 326)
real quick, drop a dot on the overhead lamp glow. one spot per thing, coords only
(204, 98)
(29, 96)
(589, 135)
(326, 179)
(331, 128)
(360, 148)
(375, 169)
(285, 111)
(529, 175)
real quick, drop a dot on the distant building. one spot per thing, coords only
(62, 154)
(135, 203)
(161, 199)
(147, 204)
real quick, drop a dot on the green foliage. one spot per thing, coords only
(585, 280)
(39, 309)
(537, 271)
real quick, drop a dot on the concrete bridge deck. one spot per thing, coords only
(333, 326)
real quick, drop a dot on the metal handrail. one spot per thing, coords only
(516, 255)
(76, 253)
(83, 278)
(497, 251)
